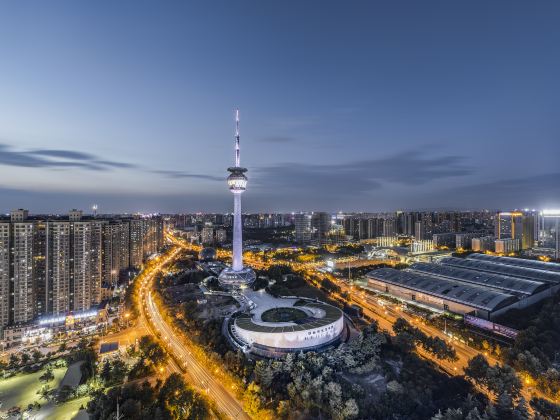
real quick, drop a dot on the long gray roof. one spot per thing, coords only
(464, 293)
(519, 262)
(508, 270)
(495, 281)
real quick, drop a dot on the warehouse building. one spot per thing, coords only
(438, 293)
(518, 262)
(503, 269)
(482, 286)
(513, 285)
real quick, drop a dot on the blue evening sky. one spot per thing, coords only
(347, 105)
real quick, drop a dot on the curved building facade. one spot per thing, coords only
(317, 325)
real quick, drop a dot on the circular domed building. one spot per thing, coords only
(276, 326)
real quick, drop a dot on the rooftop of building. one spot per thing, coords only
(518, 262)
(464, 293)
(265, 302)
(503, 269)
(510, 284)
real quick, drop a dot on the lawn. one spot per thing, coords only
(67, 411)
(21, 389)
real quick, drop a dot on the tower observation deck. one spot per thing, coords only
(237, 275)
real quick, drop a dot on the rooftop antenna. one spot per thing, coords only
(237, 162)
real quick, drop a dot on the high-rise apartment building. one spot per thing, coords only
(389, 227)
(444, 240)
(464, 240)
(484, 243)
(321, 226)
(505, 246)
(5, 243)
(59, 277)
(303, 228)
(221, 235)
(207, 235)
(50, 266)
(419, 230)
(375, 228)
(516, 225)
(23, 288)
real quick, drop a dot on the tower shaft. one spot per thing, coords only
(237, 264)
(237, 275)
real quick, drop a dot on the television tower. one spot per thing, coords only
(237, 275)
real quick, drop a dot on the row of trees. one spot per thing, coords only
(151, 357)
(170, 400)
(504, 385)
(536, 346)
(408, 336)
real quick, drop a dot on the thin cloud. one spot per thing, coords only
(532, 191)
(63, 154)
(408, 168)
(180, 174)
(56, 159)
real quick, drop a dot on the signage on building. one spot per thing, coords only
(490, 326)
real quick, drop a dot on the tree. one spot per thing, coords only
(118, 370)
(13, 361)
(405, 341)
(504, 406)
(521, 412)
(152, 350)
(252, 399)
(504, 379)
(37, 356)
(260, 283)
(498, 379)
(25, 358)
(449, 414)
(44, 392)
(47, 376)
(545, 408)
(140, 369)
(105, 373)
(180, 400)
(477, 368)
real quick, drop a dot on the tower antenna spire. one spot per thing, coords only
(237, 160)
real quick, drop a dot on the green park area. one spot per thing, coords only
(67, 411)
(21, 389)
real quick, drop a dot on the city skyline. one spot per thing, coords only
(371, 108)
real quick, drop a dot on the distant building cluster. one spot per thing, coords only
(212, 228)
(251, 221)
(53, 265)
(503, 232)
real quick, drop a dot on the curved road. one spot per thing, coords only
(197, 374)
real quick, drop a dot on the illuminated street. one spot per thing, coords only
(196, 373)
